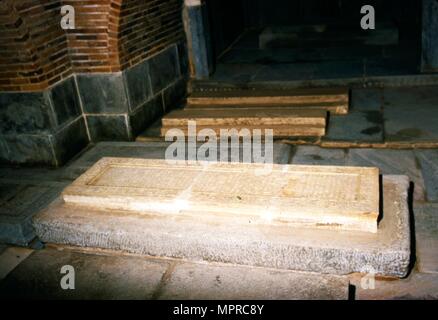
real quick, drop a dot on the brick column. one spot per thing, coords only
(198, 38)
(430, 36)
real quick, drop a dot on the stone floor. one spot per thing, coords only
(397, 116)
(245, 61)
(394, 129)
(320, 63)
(108, 275)
(111, 275)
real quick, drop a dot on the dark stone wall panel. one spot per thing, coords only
(164, 69)
(69, 141)
(65, 101)
(147, 114)
(108, 128)
(26, 149)
(173, 96)
(102, 93)
(138, 84)
(25, 113)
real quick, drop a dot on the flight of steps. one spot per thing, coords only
(291, 113)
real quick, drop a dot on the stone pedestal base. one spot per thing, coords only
(386, 252)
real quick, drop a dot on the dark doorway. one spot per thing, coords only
(287, 40)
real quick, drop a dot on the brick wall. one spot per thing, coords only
(33, 48)
(110, 36)
(147, 27)
(93, 45)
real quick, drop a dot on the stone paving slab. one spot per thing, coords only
(410, 114)
(366, 145)
(420, 165)
(391, 66)
(34, 175)
(426, 231)
(149, 150)
(418, 286)
(428, 160)
(108, 275)
(328, 251)
(10, 258)
(366, 99)
(97, 276)
(146, 150)
(363, 126)
(314, 155)
(256, 55)
(23, 192)
(20, 201)
(223, 282)
(391, 162)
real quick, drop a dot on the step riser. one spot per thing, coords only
(340, 104)
(335, 100)
(284, 123)
(241, 122)
(295, 131)
(335, 108)
(266, 100)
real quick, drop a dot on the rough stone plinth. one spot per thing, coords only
(326, 251)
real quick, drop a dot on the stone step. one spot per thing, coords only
(335, 107)
(281, 131)
(344, 198)
(284, 122)
(279, 246)
(369, 80)
(335, 100)
(245, 117)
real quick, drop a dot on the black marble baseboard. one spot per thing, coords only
(52, 149)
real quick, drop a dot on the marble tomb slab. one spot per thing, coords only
(324, 197)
